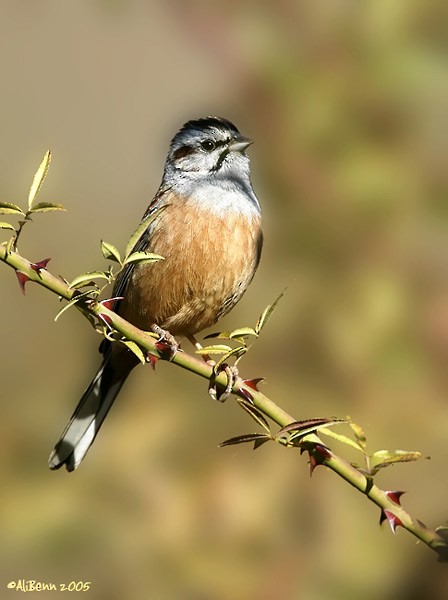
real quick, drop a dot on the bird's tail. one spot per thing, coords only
(91, 411)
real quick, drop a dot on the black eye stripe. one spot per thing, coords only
(221, 159)
(186, 150)
(182, 152)
(222, 143)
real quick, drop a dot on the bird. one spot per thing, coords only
(205, 221)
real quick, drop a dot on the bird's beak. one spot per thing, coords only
(240, 144)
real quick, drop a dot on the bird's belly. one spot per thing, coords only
(208, 264)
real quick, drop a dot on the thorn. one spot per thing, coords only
(42, 264)
(394, 521)
(318, 453)
(152, 360)
(22, 280)
(253, 383)
(110, 302)
(106, 320)
(167, 349)
(247, 395)
(394, 496)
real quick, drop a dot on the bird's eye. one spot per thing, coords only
(208, 145)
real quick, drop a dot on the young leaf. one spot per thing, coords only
(135, 349)
(6, 208)
(87, 277)
(46, 207)
(236, 353)
(242, 331)
(9, 245)
(143, 226)
(110, 252)
(248, 437)
(304, 424)
(255, 414)
(73, 301)
(217, 349)
(39, 178)
(260, 441)
(300, 429)
(359, 435)
(265, 315)
(4, 225)
(222, 335)
(141, 257)
(389, 457)
(341, 438)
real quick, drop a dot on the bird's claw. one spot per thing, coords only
(232, 374)
(166, 344)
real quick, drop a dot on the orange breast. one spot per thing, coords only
(209, 262)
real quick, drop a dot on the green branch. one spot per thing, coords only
(292, 433)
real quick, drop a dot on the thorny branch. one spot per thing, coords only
(293, 433)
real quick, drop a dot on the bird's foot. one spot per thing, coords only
(166, 343)
(230, 370)
(216, 391)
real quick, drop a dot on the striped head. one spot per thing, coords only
(208, 148)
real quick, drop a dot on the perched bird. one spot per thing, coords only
(208, 229)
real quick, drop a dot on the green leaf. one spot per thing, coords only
(236, 353)
(143, 226)
(87, 277)
(142, 257)
(110, 252)
(248, 437)
(341, 438)
(4, 225)
(6, 208)
(300, 429)
(389, 457)
(255, 414)
(9, 245)
(266, 314)
(242, 331)
(74, 301)
(217, 349)
(135, 349)
(39, 178)
(46, 207)
(359, 435)
(222, 335)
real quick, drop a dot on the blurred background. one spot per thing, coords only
(347, 104)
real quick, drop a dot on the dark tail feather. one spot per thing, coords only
(91, 411)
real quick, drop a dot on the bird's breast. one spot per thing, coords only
(209, 260)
